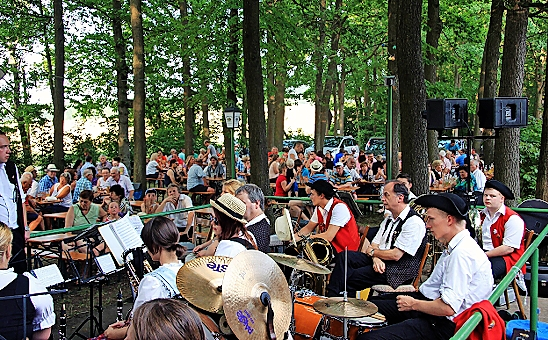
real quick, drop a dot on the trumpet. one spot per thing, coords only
(135, 276)
(317, 250)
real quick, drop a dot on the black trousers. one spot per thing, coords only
(360, 274)
(408, 325)
(18, 256)
(498, 267)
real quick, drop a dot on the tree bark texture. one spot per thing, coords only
(205, 112)
(139, 139)
(481, 90)
(231, 85)
(122, 71)
(511, 85)
(279, 108)
(492, 55)
(393, 69)
(270, 92)
(189, 111)
(340, 94)
(255, 95)
(542, 175)
(412, 95)
(317, 58)
(431, 68)
(59, 92)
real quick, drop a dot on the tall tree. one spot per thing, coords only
(542, 176)
(393, 69)
(188, 107)
(511, 85)
(232, 83)
(412, 94)
(139, 139)
(430, 68)
(320, 117)
(255, 95)
(59, 92)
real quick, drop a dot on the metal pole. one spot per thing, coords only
(534, 292)
(232, 163)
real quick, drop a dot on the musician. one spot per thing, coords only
(461, 277)
(258, 224)
(165, 319)
(161, 237)
(229, 225)
(333, 218)
(394, 255)
(502, 229)
(40, 313)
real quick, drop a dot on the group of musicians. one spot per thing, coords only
(462, 276)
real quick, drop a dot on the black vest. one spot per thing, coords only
(11, 313)
(11, 171)
(404, 270)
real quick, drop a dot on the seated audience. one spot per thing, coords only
(215, 169)
(196, 181)
(283, 184)
(82, 184)
(150, 202)
(84, 212)
(153, 169)
(123, 181)
(113, 212)
(34, 219)
(172, 174)
(117, 194)
(60, 191)
(273, 170)
(176, 200)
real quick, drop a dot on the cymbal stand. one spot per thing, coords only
(345, 293)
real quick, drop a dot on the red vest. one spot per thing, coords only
(497, 236)
(347, 236)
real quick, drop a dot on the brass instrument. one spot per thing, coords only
(317, 250)
(134, 277)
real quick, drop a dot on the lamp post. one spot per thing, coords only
(232, 119)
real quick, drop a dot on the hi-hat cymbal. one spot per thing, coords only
(200, 281)
(353, 308)
(249, 275)
(299, 264)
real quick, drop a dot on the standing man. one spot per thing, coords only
(394, 255)
(210, 149)
(49, 180)
(502, 229)
(333, 218)
(294, 152)
(480, 178)
(461, 277)
(123, 181)
(12, 210)
(257, 222)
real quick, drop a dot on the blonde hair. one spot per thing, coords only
(154, 156)
(232, 185)
(437, 162)
(6, 237)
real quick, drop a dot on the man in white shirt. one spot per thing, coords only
(480, 178)
(502, 229)
(257, 222)
(446, 161)
(176, 200)
(294, 152)
(394, 255)
(461, 277)
(123, 181)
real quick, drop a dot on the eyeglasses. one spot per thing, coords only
(213, 219)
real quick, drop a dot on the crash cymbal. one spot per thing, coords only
(299, 264)
(199, 281)
(250, 275)
(353, 308)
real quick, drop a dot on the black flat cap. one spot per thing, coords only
(450, 203)
(322, 187)
(498, 186)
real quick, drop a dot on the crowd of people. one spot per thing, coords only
(462, 277)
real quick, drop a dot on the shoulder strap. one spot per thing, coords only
(399, 227)
(162, 274)
(243, 242)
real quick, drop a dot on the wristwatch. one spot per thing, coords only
(27, 228)
(372, 252)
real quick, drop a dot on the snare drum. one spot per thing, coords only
(332, 327)
(307, 320)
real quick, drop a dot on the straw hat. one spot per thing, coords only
(52, 167)
(284, 228)
(316, 165)
(230, 206)
(29, 168)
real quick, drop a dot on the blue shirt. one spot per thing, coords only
(460, 160)
(81, 185)
(337, 157)
(195, 176)
(316, 177)
(305, 172)
(240, 167)
(46, 183)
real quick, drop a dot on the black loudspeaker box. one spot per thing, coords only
(500, 113)
(444, 114)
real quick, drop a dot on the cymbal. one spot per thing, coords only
(353, 308)
(251, 274)
(200, 280)
(299, 264)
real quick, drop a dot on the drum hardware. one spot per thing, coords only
(299, 263)
(255, 294)
(200, 282)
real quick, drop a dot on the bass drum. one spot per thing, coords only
(307, 320)
(332, 327)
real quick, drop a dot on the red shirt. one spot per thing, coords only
(279, 190)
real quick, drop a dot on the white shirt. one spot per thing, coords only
(513, 229)
(446, 163)
(8, 206)
(45, 315)
(339, 217)
(353, 173)
(180, 219)
(480, 178)
(257, 220)
(294, 153)
(231, 248)
(410, 237)
(124, 182)
(152, 168)
(33, 191)
(462, 275)
(151, 288)
(123, 167)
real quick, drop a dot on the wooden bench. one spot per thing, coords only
(58, 219)
(204, 196)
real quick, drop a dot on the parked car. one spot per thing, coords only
(290, 143)
(334, 143)
(376, 146)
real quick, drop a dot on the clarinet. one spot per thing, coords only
(119, 307)
(63, 324)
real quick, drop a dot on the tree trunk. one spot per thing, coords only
(341, 89)
(59, 92)
(139, 139)
(511, 85)
(412, 95)
(481, 90)
(18, 115)
(47, 52)
(205, 111)
(270, 103)
(431, 68)
(537, 105)
(317, 58)
(279, 108)
(189, 111)
(231, 85)
(393, 70)
(542, 176)
(492, 55)
(255, 95)
(122, 71)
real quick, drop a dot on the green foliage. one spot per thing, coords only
(529, 148)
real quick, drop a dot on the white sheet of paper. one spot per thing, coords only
(49, 275)
(120, 236)
(106, 264)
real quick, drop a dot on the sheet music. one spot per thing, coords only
(48, 276)
(137, 223)
(106, 264)
(120, 236)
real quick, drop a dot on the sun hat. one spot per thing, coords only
(284, 228)
(52, 167)
(316, 165)
(29, 168)
(230, 206)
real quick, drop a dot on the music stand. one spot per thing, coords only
(347, 198)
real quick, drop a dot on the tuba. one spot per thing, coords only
(317, 250)
(135, 275)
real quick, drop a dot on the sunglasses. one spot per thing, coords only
(213, 219)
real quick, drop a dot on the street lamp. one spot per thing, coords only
(232, 119)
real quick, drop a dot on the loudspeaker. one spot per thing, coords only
(500, 113)
(444, 114)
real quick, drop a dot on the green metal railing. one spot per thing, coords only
(530, 252)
